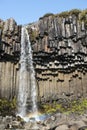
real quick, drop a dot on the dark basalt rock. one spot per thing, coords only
(10, 34)
(61, 48)
(59, 52)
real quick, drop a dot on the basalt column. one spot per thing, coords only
(60, 56)
(9, 58)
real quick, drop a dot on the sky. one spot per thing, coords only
(28, 11)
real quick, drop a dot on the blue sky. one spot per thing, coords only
(27, 11)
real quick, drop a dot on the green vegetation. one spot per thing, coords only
(1, 27)
(78, 107)
(7, 107)
(83, 17)
(33, 35)
(51, 108)
(47, 15)
(64, 14)
(75, 12)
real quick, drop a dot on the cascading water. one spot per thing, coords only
(27, 76)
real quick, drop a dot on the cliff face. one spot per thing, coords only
(59, 52)
(9, 57)
(9, 40)
(60, 57)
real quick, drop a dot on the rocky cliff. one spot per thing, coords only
(60, 56)
(9, 57)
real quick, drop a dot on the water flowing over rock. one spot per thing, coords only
(27, 84)
(59, 47)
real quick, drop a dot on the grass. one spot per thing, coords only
(75, 12)
(7, 107)
(78, 107)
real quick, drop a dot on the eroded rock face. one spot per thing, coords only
(60, 57)
(59, 52)
(10, 34)
(9, 40)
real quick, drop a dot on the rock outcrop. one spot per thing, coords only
(10, 35)
(55, 122)
(60, 57)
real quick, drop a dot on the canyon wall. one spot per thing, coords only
(59, 52)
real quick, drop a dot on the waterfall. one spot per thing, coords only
(27, 84)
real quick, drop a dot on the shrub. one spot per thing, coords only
(83, 15)
(7, 107)
(33, 35)
(64, 14)
(48, 14)
(75, 12)
(75, 106)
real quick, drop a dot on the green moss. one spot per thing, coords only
(83, 15)
(78, 107)
(1, 27)
(33, 35)
(51, 108)
(7, 107)
(64, 14)
(75, 12)
(47, 15)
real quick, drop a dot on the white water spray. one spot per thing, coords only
(27, 76)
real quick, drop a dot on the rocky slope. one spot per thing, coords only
(60, 56)
(55, 122)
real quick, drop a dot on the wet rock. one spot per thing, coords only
(73, 127)
(84, 119)
(80, 124)
(53, 118)
(54, 122)
(32, 119)
(15, 124)
(32, 125)
(62, 127)
(2, 126)
(8, 118)
(83, 128)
